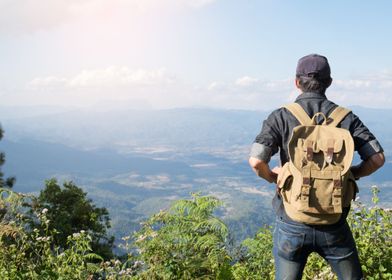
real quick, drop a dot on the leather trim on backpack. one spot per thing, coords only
(316, 182)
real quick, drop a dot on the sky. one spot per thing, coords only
(159, 54)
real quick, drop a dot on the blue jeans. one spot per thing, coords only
(294, 242)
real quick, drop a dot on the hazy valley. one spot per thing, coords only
(137, 162)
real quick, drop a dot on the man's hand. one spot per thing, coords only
(262, 169)
(367, 167)
(277, 170)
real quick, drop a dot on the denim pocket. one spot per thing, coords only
(290, 244)
(340, 242)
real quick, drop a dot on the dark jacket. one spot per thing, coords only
(277, 128)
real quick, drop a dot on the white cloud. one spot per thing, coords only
(199, 3)
(114, 86)
(120, 76)
(156, 87)
(250, 93)
(248, 84)
(257, 93)
(374, 91)
(372, 83)
(216, 86)
(110, 77)
(246, 81)
(121, 86)
(32, 15)
(50, 82)
(28, 15)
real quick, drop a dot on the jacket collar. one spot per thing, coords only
(310, 95)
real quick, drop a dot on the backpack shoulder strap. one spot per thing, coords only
(299, 113)
(337, 116)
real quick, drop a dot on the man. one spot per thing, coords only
(294, 241)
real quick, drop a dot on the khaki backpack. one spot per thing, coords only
(317, 182)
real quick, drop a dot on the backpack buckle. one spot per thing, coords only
(309, 153)
(330, 150)
(337, 195)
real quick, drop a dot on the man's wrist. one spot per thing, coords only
(273, 177)
(355, 171)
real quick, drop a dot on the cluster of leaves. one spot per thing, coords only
(372, 230)
(186, 241)
(70, 211)
(27, 253)
(4, 182)
(256, 262)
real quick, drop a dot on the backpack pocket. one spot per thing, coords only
(321, 197)
(350, 190)
(284, 182)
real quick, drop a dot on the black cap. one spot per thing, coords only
(314, 65)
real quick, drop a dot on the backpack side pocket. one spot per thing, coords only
(284, 182)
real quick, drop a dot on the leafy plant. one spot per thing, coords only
(257, 260)
(70, 211)
(372, 230)
(185, 242)
(4, 182)
(28, 253)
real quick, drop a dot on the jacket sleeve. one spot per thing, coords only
(365, 142)
(267, 141)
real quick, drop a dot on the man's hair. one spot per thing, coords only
(312, 84)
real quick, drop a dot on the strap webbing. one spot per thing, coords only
(299, 113)
(337, 116)
(337, 192)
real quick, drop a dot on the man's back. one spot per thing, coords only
(277, 128)
(294, 241)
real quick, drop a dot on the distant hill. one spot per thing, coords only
(33, 161)
(177, 127)
(184, 128)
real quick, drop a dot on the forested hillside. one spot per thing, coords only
(186, 241)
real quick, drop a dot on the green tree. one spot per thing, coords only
(4, 182)
(70, 211)
(185, 242)
(257, 260)
(372, 230)
(28, 253)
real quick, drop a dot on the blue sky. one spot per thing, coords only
(189, 53)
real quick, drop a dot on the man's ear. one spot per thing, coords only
(297, 83)
(330, 82)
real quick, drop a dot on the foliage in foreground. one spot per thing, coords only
(70, 211)
(4, 182)
(372, 230)
(26, 253)
(186, 241)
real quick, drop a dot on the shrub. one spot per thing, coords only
(185, 242)
(372, 230)
(27, 253)
(257, 260)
